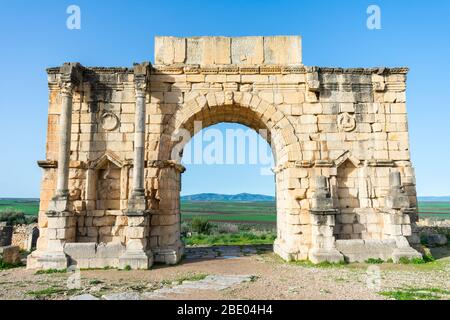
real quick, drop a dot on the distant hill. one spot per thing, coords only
(248, 197)
(435, 199)
(241, 197)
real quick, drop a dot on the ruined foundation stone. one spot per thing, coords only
(6, 233)
(10, 254)
(345, 185)
(25, 236)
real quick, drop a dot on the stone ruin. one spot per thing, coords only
(25, 236)
(110, 194)
(8, 253)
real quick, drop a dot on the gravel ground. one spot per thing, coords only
(271, 278)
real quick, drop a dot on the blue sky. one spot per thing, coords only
(34, 36)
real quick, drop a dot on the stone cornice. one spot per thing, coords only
(329, 164)
(166, 164)
(234, 69)
(47, 164)
(56, 70)
(269, 69)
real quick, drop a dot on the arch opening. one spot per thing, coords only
(228, 188)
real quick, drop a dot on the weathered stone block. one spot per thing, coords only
(10, 254)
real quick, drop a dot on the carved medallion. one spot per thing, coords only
(229, 97)
(75, 194)
(346, 122)
(109, 121)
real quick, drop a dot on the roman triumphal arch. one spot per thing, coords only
(345, 186)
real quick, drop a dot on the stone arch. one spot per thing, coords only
(232, 106)
(211, 108)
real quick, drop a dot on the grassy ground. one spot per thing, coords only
(241, 238)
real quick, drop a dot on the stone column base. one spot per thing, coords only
(47, 260)
(169, 255)
(136, 260)
(408, 253)
(279, 250)
(322, 255)
(288, 254)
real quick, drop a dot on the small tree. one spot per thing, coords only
(13, 217)
(201, 225)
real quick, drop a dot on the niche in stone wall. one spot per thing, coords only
(107, 189)
(348, 220)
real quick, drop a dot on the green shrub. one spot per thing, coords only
(185, 227)
(200, 225)
(405, 260)
(6, 265)
(428, 257)
(13, 217)
(374, 261)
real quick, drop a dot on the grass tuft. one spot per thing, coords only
(6, 265)
(51, 291)
(191, 277)
(405, 260)
(416, 294)
(374, 261)
(324, 264)
(51, 271)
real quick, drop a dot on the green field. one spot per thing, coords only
(260, 212)
(256, 212)
(265, 212)
(433, 209)
(27, 206)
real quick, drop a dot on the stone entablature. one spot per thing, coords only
(339, 136)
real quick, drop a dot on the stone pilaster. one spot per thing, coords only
(137, 200)
(323, 221)
(61, 222)
(137, 255)
(396, 216)
(166, 222)
(60, 200)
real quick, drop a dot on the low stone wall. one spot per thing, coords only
(25, 236)
(433, 223)
(434, 232)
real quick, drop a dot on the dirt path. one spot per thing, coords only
(256, 276)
